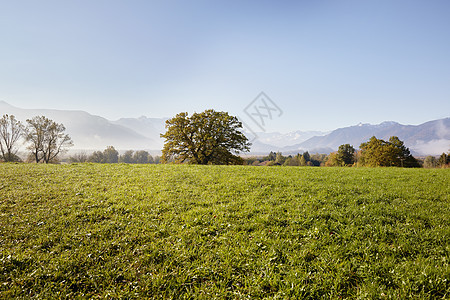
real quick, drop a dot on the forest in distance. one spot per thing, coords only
(335, 159)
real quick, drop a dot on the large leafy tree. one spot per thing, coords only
(47, 139)
(392, 153)
(10, 132)
(210, 137)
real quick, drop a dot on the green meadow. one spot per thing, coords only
(214, 232)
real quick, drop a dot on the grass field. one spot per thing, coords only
(179, 231)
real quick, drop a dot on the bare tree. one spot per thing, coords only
(47, 139)
(35, 132)
(10, 132)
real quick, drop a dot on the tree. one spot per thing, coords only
(279, 158)
(397, 152)
(345, 155)
(127, 157)
(379, 153)
(444, 159)
(47, 139)
(142, 157)
(302, 161)
(332, 160)
(306, 156)
(271, 157)
(401, 155)
(430, 162)
(97, 157)
(209, 137)
(110, 155)
(10, 132)
(371, 153)
(290, 161)
(318, 159)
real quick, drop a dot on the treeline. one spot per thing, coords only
(278, 159)
(373, 153)
(111, 156)
(433, 162)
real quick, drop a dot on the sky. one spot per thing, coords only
(322, 64)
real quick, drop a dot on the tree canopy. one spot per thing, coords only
(110, 155)
(392, 153)
(345, 155)
(210, 137)
(444, 160)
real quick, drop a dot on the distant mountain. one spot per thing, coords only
(88, 131)
(265, 142)
(287, 139)
(428, 138)
(148, 127)
(92, 132)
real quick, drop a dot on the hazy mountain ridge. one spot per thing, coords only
(87, 131)
(92, 132)
(287, 139)
(148, 127)
(432, 137)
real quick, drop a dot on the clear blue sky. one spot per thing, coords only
(326, 64)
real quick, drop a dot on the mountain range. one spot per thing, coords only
(430, 138)
(90, 132)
